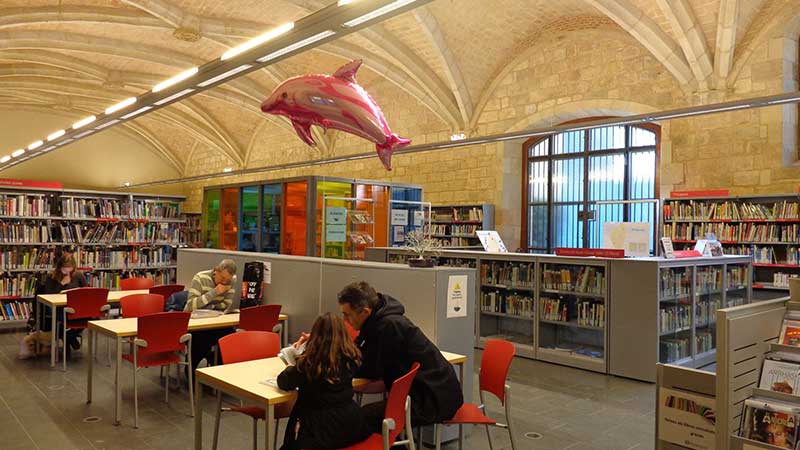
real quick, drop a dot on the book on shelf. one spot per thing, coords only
(703, 341)
(780, 279)
(730, 210)
(675, 318)
(507, 303)
(591, 314)
(512, 274)
(675, 282)
(15, 310)
(770, 421)
(24, 205)
(553, 309)
(588, 279)
(780, 376)
(674, 349)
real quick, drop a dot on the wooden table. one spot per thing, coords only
(55, 301)
(244, 381)
(120, 329)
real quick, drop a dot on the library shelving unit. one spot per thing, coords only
(348, 227)
(455, 225)
(111, 234)
(191, 232)
(617, 316)
(285, 216)
(767, 227)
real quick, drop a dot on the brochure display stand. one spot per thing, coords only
(348, 227)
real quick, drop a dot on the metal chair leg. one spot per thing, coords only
(191, 377)
(255, 434)
(437, 436)
(216, 420)
(508, 417)
(63, 343)
(135, 395)
(489, 437)
(166, 396)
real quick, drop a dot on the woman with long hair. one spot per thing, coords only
(325, 415)
(65, 275)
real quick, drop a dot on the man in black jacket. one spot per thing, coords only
(390, 344)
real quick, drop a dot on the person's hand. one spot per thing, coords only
(222, 288)
(303, 339)
(66, 279)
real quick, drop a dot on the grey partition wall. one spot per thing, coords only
(308, 286)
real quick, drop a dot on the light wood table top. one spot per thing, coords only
(128, 327)
(245, 379)
(56, 300)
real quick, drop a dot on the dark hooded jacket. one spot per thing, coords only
(390, 344)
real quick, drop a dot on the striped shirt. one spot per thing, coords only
(203, 296)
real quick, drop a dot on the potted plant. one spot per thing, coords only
(421, 243)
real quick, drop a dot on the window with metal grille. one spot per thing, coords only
(579, 180)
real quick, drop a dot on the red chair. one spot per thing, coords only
(166, 289)
(495, 362)
(83, 305)
(373, 386)
(351, 331)
(138, 305)
(260, 318)
(160, 338)
(248, 346)
(130, 284)
(397, 418)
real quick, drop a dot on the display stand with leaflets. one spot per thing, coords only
(256, 273)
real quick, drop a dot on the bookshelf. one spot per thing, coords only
(191, 231)
(767, 227)
(455, 225)
(506, 308)
(112, 234)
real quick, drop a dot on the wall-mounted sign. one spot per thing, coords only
(336, 215)
(399, 217)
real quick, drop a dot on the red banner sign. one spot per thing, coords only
(10, 182)
(707, 193)
(598, 252)
(687, 254)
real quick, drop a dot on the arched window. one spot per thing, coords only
(567, 174)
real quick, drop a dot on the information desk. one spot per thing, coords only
(245, 381)
(121, 329)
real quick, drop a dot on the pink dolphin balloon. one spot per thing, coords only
(336, 102)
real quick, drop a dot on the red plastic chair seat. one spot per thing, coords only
(154, 359)
(469, 413)
(373, 442)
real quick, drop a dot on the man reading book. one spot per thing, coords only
(390, 343)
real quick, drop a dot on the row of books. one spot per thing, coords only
(780, 279)
(105, 258)
(674, 349)
(148, 209)
(24, 232)
(729, 210)
(553, 309)
(768, 254)
(675, 282)
(706, 312)
(675, 318)
(455, 242)
(21, 285)
(591, 314)
(511, 274)
(27, 258)
(99, 207)
(23, 205)
(119, 233)
(737, 276)
(16, 310)
(507, 303)
(111, 280)
(703, 341)
(457, 262)
(745, 232)
(459, 215)
(587, 279)
(709, 279)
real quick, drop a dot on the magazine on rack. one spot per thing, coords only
(790, 330)
(780, 376)
(771, 422)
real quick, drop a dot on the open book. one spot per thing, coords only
(289, 354)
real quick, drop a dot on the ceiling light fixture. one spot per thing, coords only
(83, 122)
(296, 46)
(49, 148)
(458, 137)
(35, 145)
(225, 75)
(174, 96)
(255, 42)
(186, 74)
(137, 112)
(386, 9)
(55, 135)
(121, 105)
(345, 2)
(227, 170)
(126, 184)
(5, 159)
(17, 153)
(83, 134)
(107, 124)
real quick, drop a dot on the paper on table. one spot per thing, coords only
(271, 382)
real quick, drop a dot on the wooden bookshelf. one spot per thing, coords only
(455, 225)
(191, 231)
(766, 227)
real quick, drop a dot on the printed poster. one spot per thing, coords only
(491, 241)
(335, 233)
(686, 419)
(634, 237)
(400, 217)
(399, 233)
(456, 296)
(419, 218)
(336, 215)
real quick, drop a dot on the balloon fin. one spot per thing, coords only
(303, 130)
(385, 150)
(348, 71)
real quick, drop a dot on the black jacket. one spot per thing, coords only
(390, 344)
(52, 286)
(327, 415)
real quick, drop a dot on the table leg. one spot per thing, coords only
(38, 318)
(285, 332)
(53, 337)
(198, 415)
(118, 384)
(91, 366)
(268, 441)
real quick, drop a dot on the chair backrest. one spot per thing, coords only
(259, 318)
(496, 360)
(249, 345)
(162, 331)
(129, 284)
(87, 302)
(138, 305)
(166, 289)
(396, 404)
(351, 331)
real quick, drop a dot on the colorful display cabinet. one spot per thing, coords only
(286, 216)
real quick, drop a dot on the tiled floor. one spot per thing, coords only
(45, 409)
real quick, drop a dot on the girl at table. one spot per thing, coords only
(325, 415)
(64, 276)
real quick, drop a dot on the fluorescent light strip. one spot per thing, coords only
(297, 45)
(5, 159)
(17, 153)
(225, 75)
(137, 112)
(255, 42)
(35, 145)
(345, 2)
(123, 104)
(56, 135)
(85, 133)
(173, 96)
(83, 122)
(188, 73)
(386, 9)
(107, 124)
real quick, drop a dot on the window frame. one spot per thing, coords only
(585, 155)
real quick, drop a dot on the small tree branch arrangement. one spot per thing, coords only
(421, 243)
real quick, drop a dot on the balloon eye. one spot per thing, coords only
(284, 95)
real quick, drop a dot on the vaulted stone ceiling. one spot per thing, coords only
(76, 57)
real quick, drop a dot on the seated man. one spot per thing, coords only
(390, 344)
(210, 289)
